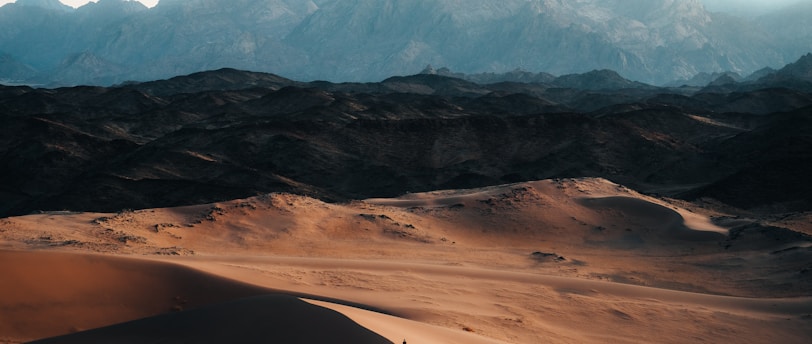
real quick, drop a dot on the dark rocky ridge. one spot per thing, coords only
(229, 134)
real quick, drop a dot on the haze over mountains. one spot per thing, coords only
(653, 41)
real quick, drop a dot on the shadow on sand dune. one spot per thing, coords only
(668, 223)
(45, 294)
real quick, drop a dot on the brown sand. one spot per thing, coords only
(51, 293)
(566, 261)
(260, 319)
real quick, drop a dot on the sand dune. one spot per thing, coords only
(565, 261)
(259, 319)
(523, 306)
(51, 293)
(673, 224)
(54, 293)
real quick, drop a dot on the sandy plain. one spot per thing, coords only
(555, 261)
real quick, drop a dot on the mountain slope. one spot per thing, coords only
(227, 134)
(361, 40)
(13, 70)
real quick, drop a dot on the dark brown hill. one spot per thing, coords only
(228, 134)
(776, 160)
(225, 79)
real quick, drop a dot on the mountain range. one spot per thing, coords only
(227, 134)
(654, 41)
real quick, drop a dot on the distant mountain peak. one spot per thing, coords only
(653, 41)
(702, 79)
(46, 4)
(723, 80)
(428, 70)
(596, 80)
(121, 6)
(801, 69)
(603, 73)
(798, 71)
(759, 74)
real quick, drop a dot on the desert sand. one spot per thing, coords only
(558, 261)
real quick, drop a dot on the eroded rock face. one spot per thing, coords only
(230, 134)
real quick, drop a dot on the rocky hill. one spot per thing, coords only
(228, 134)
(796, 75)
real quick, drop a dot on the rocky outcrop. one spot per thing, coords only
(229, 134)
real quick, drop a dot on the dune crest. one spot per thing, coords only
(258, 319)
(517, 263)
(669, 222)
(52, 293)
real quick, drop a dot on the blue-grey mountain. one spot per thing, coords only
(652, 41)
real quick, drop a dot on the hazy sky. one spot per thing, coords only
(77, 3)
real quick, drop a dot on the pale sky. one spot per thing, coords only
(77, 3)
